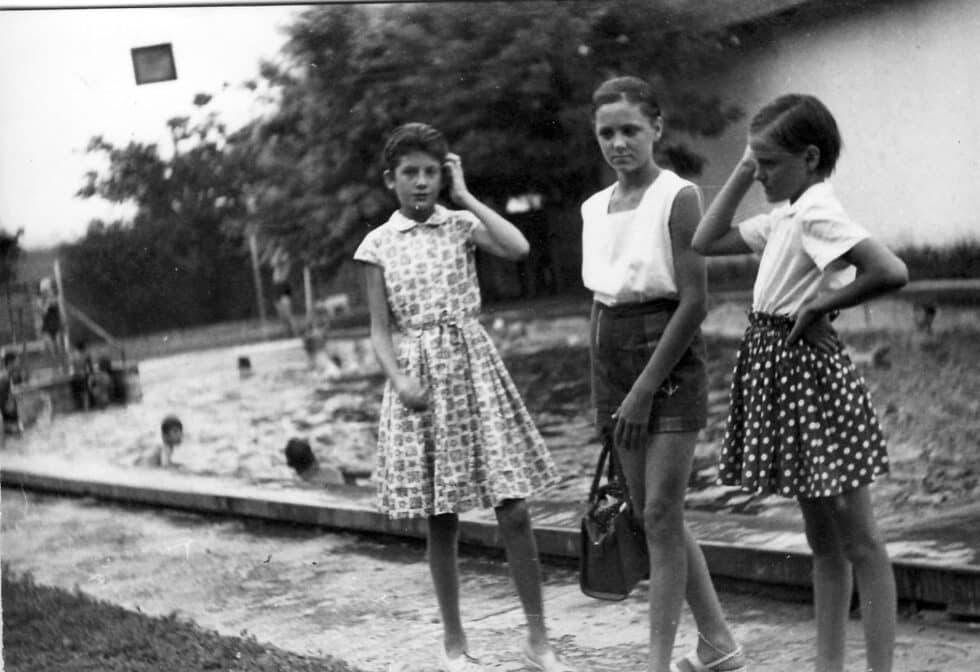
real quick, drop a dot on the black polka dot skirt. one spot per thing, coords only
(801, 423)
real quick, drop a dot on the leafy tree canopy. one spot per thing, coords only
(181, 261)
(508, 83)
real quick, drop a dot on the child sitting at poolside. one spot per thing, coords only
(8, 402)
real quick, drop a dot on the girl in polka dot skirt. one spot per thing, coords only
(801, 423)
(454, 433)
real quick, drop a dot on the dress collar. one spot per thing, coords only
(814, 193)
(402, 223)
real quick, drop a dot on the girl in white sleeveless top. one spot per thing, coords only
(649, 386)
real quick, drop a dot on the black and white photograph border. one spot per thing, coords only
(167, 195)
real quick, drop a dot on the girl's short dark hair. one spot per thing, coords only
(630, 89)
(794, 122)
(414, 137)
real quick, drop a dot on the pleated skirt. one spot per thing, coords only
(474, 447)
(801, 423)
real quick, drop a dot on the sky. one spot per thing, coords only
(67, 75)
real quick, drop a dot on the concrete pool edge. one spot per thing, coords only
(763, 555)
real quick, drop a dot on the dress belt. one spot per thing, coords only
(442, 323)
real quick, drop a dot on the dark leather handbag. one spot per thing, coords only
(613, 555)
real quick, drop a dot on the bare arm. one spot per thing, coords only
(497, 235)
(409, 389)
(879, 271)
(715, 235)
(689, 274)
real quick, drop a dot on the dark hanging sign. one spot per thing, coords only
(154, 63)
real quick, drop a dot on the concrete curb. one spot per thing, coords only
(778, 567)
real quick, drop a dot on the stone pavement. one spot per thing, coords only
(266, 567)
(367, 600)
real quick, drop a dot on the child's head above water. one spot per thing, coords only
(795, 122)
(299, 455)
(172, 430)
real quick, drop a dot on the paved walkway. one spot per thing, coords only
(369, 602)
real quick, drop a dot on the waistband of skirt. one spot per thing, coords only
(636, 309)
(448, 322)
(759, 319)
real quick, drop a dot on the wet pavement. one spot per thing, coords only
(367, 599)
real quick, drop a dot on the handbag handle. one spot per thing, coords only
(615, 472)
(603, 454)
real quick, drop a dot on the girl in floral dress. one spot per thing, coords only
(454, 433)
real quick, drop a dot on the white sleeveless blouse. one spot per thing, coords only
(627, 256)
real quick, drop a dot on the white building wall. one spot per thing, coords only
(903, 81)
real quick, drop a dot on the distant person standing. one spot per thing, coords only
(282, 265)
(82, 369)
(48, 318)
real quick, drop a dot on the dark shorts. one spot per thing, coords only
(281, 289)
(622, 340)
(51, 321)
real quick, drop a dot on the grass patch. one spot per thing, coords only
(50, 629)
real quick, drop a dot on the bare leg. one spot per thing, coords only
(865, 548)
(443, 565)
(831, 584)
(514, 522)
(715, 638)
(657, 480)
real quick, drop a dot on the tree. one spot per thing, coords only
(509, 84)
(180, 261)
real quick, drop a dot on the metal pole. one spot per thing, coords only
(10, 309)
(308, 290)
(64, 315)
(254, 247)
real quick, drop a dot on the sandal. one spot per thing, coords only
(549, 662)
(692, 662)
(462, 663)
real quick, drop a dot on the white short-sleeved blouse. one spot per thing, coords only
(801, 245)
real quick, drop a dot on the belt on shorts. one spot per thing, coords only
(634, 309)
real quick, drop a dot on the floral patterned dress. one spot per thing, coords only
(476, 445)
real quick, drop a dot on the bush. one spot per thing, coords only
(958, 261)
